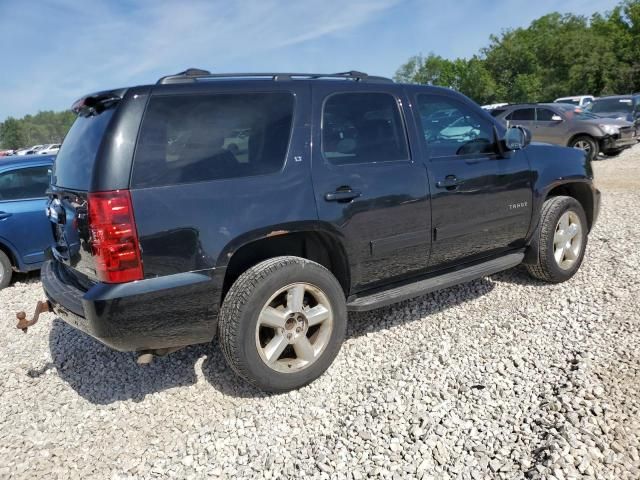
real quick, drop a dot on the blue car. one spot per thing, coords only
(25, 230)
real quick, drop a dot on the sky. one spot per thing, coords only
(54, 51)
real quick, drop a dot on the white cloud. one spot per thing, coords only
(66, 48)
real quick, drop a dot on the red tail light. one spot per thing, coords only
(114, 239)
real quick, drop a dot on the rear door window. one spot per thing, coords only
(74, 163)
(24, 183)
(364, 127)
(201, 137)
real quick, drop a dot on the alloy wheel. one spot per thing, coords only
(294, 327)
(567, 240)
(583, 145)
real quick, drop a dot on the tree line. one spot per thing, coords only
(557, 55)
(44, 127)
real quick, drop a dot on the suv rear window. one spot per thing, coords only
(194, 138)
(73, 165)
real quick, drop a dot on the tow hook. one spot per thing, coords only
(41, 307)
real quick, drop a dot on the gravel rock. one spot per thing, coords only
(503, 377)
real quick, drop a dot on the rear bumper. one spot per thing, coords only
(164, 312)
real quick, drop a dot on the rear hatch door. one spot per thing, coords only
(71, 181)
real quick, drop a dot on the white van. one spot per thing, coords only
(580, 100)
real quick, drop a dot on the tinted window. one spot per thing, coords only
(607, 105)
(496, 111)
(193, 138)
(462, 133)
(576, 113)
(544, 114)
(362, 127)
(24, 183)
(73, 165)
(522, 114)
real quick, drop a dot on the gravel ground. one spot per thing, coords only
(504, 377)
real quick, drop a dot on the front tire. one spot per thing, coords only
(588, 144)
(560, 241)
(282, 323)
(5, 270)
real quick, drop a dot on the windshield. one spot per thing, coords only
(611, 105)
(73, 165)
(573, 113)
(568, 100)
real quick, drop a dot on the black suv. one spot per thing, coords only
(347, 192)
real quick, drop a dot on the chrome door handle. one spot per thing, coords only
(449, 182)
(342, 195)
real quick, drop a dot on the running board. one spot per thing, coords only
(422, 287)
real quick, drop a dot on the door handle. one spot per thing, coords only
(450, 182)
(340, 195)
(4, 215)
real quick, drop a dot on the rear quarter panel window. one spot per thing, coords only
(202, 137)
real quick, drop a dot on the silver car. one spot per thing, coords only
(564, 124)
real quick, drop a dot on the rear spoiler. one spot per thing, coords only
(96, 103)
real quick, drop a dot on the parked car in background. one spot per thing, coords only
(165, 238)
(623, 107)
(564, 124)
(25, 230)
(493, 105)
(51, 149)
(579, 100)
(6, 153)
(29, 150)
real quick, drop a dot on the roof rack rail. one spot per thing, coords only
(194, 74)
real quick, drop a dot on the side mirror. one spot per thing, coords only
(556, 118)
(517, 138)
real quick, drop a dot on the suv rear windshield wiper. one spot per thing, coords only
(96, 103)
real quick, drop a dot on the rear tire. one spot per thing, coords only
(586, 143)
(5, 270)
(560, 240)
(282, 323)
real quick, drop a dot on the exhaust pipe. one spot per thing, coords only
(145, 357)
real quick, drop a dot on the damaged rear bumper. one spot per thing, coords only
(157, 313)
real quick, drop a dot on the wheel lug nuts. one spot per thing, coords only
(298, 330)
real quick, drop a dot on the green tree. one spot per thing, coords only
(12, 134)
(468, 76)
(556, 55)
(44, 127)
